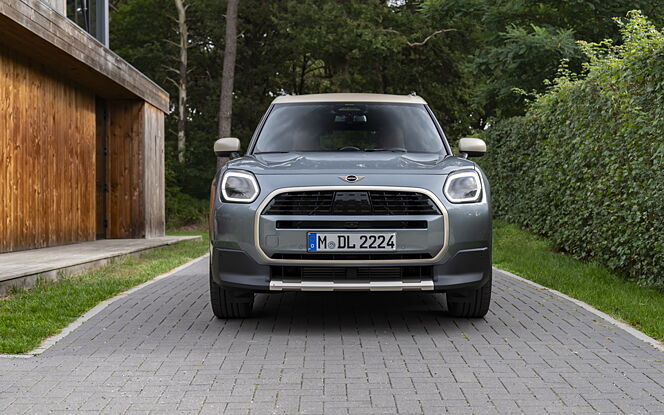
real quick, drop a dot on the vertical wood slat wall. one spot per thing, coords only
(135, 170)
(47, 158)
(48, 166)
(154, 172)
(125, 169)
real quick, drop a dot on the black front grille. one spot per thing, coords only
(402, 203)
(351, 273)
(352, 256)
(371, 202)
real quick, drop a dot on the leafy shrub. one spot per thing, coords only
(182, 209)
(585, 165)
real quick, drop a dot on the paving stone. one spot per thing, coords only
(160, 350)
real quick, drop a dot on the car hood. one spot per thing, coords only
(350, 163)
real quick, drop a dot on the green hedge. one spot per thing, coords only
(585, 165)
(183, 210)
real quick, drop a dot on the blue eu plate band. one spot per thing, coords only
(311, 244)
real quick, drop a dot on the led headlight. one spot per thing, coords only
(239, 186)
(463, 187)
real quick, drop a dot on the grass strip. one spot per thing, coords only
(533, 257)
(29, 316)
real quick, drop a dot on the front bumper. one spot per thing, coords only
(248, 247)
(467, 268)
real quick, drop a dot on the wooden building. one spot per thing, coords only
(81, 133)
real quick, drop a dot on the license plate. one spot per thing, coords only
(325, 242)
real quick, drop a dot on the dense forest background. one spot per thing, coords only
(474, 61)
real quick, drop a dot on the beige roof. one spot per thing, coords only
(397, 99)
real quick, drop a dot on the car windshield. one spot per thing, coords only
(349, 127)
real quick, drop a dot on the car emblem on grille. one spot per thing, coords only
(351, 178)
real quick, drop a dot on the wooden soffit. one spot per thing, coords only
(34, 29)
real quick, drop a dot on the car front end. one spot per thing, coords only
(349, 220)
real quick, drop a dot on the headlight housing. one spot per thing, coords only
(463, 187)
(239, 187)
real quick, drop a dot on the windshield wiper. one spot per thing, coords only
(272, 152)
(393, 150)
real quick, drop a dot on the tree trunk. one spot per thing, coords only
(182, 81)
(345, 76)
(228, 73)
(303, 73)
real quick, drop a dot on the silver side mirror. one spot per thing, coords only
(472, 147)
(224, 147)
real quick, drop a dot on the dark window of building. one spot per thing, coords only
(92, 16)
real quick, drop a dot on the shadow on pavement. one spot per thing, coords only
(316, 313)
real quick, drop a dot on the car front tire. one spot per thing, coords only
(230, 303)
(470, 303)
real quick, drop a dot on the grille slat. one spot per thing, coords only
(352, 256)
(297, 273)
(372, 202)
(361, 224)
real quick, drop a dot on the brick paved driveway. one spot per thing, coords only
(160, 350)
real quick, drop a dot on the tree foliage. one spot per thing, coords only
(517, 44)
(295, 46)
(584, 165)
